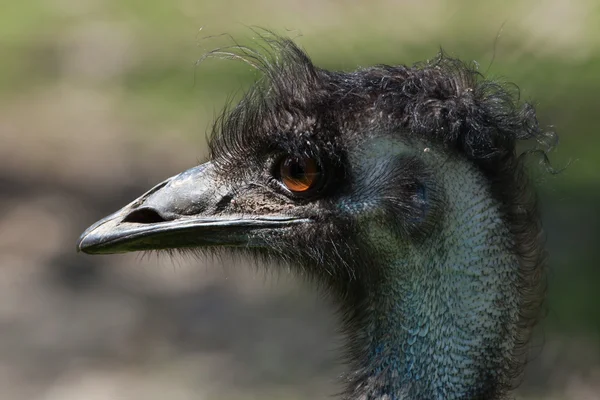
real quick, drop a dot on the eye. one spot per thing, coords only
(300, 175)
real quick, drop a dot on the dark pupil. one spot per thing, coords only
(296, 169)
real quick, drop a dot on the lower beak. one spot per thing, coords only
(177, 214)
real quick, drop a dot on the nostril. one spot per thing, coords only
(144, 216)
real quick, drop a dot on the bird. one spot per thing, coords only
(398, 190)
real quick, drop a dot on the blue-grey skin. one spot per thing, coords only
(424, 228)
(447, 299)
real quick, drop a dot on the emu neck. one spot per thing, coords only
(439, 322)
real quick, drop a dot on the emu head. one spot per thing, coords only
(398, 189)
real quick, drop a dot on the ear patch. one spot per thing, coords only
(421, 204)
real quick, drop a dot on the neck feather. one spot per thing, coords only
(441, 320)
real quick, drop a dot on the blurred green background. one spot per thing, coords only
(100, 99)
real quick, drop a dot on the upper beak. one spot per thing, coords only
(183, 211)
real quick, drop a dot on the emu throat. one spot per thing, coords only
(441, 318)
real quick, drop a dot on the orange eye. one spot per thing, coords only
(299, 174)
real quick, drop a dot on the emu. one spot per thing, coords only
(398, 190)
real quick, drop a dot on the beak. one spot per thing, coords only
(182, 212)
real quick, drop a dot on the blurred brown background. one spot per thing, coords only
(100, 99)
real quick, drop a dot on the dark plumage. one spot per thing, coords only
(398, 189)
